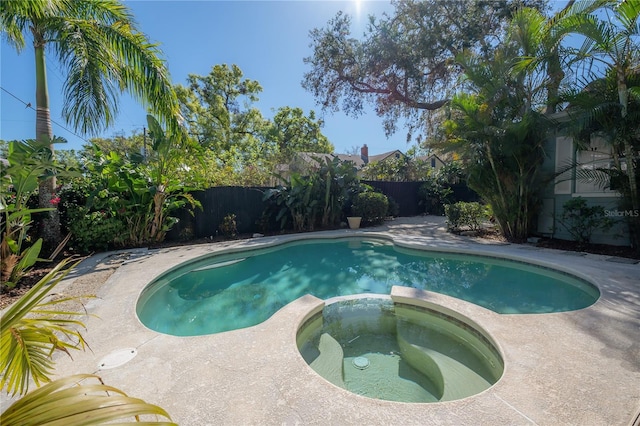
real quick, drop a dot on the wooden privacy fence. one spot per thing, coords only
(403, 193)
(406, 195)
(246, 203)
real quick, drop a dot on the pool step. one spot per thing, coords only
(454, 378)
(329, 362)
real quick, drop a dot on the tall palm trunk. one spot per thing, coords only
(50, 223)
(556, 75)
(634, 221)
(506, 225)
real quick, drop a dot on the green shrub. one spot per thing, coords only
(94, 216)
(581, 221)
(371, 206)
(94, 231)
(433, 195)
(316, 199)
(228, 226)
(463, 215)
(394, 207)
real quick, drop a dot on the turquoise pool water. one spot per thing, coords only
(233, 291)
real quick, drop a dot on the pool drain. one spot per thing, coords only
(117, 358)
(360, 362)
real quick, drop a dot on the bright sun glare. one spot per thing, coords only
(358, 4)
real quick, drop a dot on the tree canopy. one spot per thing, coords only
(219, 109)
(405, 64)
(290, 131)
(238, 140)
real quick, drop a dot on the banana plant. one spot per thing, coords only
(336, 179)
(168, 192)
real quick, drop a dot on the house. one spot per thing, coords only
(360, 161)
(305, 162)
(433, 161)
(387, 156)
(562, 153)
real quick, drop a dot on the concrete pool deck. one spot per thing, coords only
(571, 368)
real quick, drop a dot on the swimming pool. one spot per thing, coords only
(231, 291)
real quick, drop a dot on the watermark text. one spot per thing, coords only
(622, 213)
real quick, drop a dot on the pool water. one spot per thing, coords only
(233, 291)
(376, 349)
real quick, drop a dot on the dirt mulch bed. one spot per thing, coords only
(8, 296)
(603, 249)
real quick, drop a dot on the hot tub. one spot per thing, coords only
(374, 347)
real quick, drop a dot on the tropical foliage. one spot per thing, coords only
(29, 340)
(128, 200)
(102, 53)
(509, 64)
(609, 104)
(32, 329)
(81, 399)
(318, 198)
(27, 164)
(597, 112)
(497, 130)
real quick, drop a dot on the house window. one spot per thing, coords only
(596, 156)
(433, 163)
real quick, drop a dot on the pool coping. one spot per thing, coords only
(579, 367)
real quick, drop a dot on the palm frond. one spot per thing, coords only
(628, 12)
(601, 177)
(17, 16)
(29, 333)
(68, 401)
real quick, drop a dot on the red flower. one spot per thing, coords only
(55, 201)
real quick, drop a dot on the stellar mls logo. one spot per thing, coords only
(622, 213)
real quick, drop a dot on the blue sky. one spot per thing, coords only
(266, 39)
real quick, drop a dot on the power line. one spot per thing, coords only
(28, 105)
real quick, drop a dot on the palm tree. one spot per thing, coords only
(597, 110)
(103, 54)
(499, 132)
(542, 39)
(611, 47)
